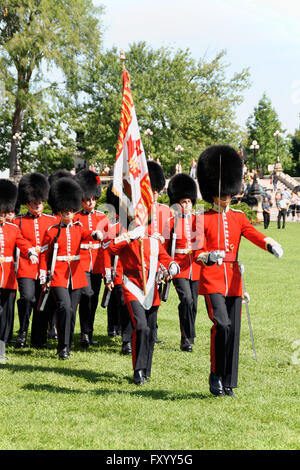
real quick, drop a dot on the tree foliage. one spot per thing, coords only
(35, 36)
(262, 125)
(183, 101)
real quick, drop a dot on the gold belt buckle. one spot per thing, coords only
(2, 259)
(69, 257)
(37, 249)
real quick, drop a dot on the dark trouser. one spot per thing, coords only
(266, 216)
(89, 302)
(124, 316)
(281, 213)
(114, 312)
(187, 291)
(30, 290)
(225, 313)
(67, 300)
(143, 335)
(7, 300)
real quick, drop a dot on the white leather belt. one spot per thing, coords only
(6, 259)
(90, 246)
(183, 251)
(68, 258)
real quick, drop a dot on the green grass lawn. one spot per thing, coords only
(89, 401)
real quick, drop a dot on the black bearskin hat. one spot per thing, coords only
(208, 171)
(182, 186)
(156, 175)
(90, 183)
(33, 187)
(65, 194)
(8, 195)
(112, 199)
(62, 173)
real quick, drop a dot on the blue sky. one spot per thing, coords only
(262, 35)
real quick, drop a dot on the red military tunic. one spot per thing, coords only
(33, 229)
(10, 237)
(189, 237)
(91, 254)
(226, 278)
(130, 258)
(68, 266)
(160, 221)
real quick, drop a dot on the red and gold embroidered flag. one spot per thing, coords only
(131, 181)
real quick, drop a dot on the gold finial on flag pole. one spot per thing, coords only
(122, 58)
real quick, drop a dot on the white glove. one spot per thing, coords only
(138, 232)
(43, 277)
(277, 250)
(98, 235)
(216, 256)
(174, 269)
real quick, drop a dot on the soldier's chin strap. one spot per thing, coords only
(32, 211)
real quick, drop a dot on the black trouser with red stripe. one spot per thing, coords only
(143, 335)
(117, 304)
(89, 303)
(187, 291)
(66, 300)
(7, 300)
(225, 313)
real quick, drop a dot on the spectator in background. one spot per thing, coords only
(292, 206)
(73, 171)
(178, 168)
(266, 211)
(275, 181)
(193, 168)
(282, 205)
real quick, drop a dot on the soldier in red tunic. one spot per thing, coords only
(159, 225)
(32, 191)
(219, 174)
(142, 305)
(66, 275)
(186, 225)
(10, 238)
(118, 318)
(91, 254)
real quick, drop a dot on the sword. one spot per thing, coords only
(167, 285)
(245, 301)
(107, 292)
(44, 295)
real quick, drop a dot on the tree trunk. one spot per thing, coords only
(16, 127)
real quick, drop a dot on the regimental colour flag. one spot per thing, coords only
(131, 182)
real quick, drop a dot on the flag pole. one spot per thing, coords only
(122, 59)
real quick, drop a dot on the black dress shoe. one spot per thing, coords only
(138, 377)
(21, 340)
(126, 348)
(84, 340)
(159, 341)
(215, 385)
(186, 346)
(228, 391)
(64, 353)
(92, 343)
(146, 378)
(112, 332)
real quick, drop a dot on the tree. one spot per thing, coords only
(36, 35)
(181, 100)
(262, 125)
(295, 150)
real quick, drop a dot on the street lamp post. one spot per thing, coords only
(277, 166)
(178, 150)
(17, 175)
(254, 190)
(148, 133)
(46, 142)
